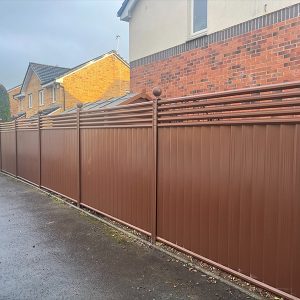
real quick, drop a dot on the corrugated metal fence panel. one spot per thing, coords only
(0, 152)
(28, 155)
(295, 248)
(231, 194)
(8, 151)
(228, 173)
(117, 170)
(59, 161)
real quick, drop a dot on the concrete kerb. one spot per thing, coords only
(139, 239)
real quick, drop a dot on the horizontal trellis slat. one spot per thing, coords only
(215, 175)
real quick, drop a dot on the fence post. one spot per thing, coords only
(0, 146)
(16, 136)
(40, 148)
(156, 92)
(79, 106)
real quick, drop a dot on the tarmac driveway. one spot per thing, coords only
(49, 250)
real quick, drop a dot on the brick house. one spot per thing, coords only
(52, 89)
(33, 96)
(196, 46)
(14, 104)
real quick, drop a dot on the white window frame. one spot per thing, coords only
(30, 100)
(200, 32)
(53, 94)
(41, 98)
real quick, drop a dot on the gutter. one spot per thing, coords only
(48, 84)
(19, 96)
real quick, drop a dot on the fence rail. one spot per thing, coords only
(215, 175)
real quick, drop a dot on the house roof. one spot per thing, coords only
(13, 88)
(19, 115)
(126, 9)
(82, 65)
(47, 73)
(47, 111)
(122, 8)
(112, 102)
(43, 72)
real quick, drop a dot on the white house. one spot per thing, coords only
(160, 31)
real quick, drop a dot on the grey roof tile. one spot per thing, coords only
(47, 73)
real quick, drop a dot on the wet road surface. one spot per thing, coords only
(49, 250)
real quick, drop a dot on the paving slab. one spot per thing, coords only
(49, 250)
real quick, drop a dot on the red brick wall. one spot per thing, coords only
(265, 56)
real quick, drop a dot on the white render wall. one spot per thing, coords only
(157, 25)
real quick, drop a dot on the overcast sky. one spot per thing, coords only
(56, 32)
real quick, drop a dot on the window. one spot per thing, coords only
(199, 16)
(41, 97)
(53, 95)
(30, 101)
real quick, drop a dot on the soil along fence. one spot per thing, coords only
(215, 175)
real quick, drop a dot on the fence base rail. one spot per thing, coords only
(215, 173)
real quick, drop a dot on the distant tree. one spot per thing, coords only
(4, 104)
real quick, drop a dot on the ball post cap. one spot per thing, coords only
(40, 112)
(157, 92)
(79, 105)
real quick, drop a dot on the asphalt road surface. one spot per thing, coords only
(49, 250)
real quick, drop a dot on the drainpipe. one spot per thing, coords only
(64, 104)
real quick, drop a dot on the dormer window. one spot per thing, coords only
(199, 17)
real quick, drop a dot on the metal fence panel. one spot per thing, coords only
(116, 165)
(28, 155)
(231, 195)
(8, 152)
(59, 162)
(215, 175)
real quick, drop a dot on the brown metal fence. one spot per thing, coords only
(8, 148)
(59, 155)
(229, 190)
(214, 175)
(28, 150)
(117, 163)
